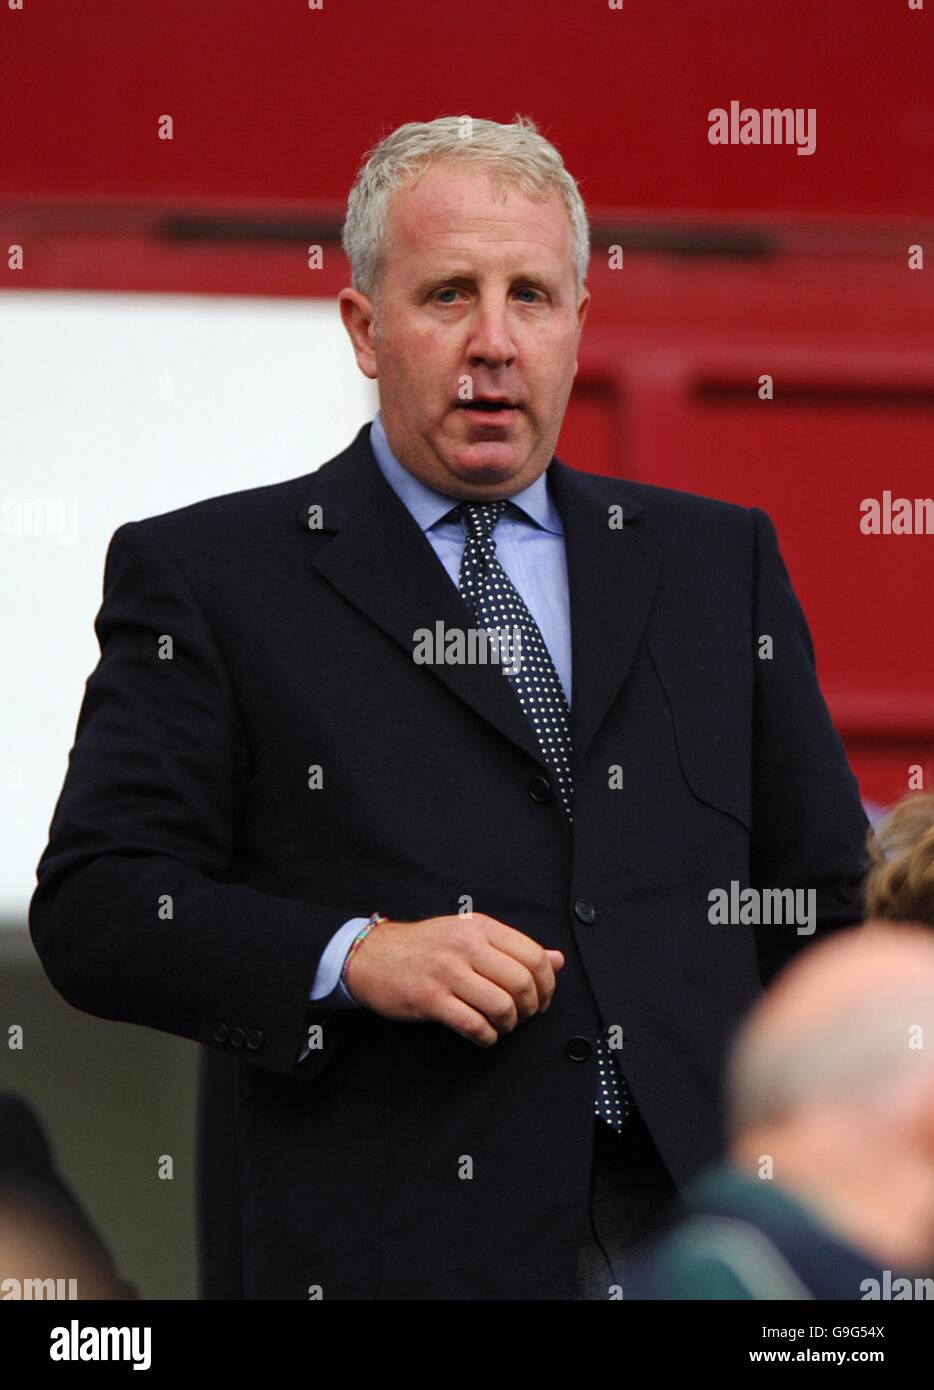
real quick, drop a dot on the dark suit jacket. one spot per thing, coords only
(399, 1159)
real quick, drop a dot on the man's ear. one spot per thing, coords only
(926, 1117)
(582, 309)
(358, 316)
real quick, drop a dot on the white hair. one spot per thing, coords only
(857, 1055)
(514, 154)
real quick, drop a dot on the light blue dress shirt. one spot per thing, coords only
(530, 548)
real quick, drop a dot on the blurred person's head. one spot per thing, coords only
(49, 1248)
(469, 244)
(830, 1089)
(900, 882)
(45, 1253)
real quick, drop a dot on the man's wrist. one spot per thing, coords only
(375, 919)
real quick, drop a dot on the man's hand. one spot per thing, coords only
(473, 974)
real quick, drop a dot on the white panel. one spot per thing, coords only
(114, 408)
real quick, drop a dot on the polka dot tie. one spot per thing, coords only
(496, 603)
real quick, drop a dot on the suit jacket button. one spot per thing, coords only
(584, 911)
(220, 1032)
(237, 1036)
(540, 789)
(578, 1049)
(254, 1039)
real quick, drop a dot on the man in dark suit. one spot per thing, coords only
(451, 920)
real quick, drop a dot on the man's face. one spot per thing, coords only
(474, 290)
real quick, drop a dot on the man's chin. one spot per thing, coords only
(486, 462)
(492, 456)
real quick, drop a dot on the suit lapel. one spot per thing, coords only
(382, 563)
(612, 577)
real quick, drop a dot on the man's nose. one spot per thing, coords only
(491, 338)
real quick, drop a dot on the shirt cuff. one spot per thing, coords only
(327, 983)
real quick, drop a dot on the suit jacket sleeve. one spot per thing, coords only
(137, 915)
(809, 827)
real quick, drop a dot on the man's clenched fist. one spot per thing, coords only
(473, 974)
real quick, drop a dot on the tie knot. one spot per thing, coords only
(481, 517)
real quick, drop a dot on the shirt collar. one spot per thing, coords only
(429, 506)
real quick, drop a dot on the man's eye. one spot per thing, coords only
(452, 289)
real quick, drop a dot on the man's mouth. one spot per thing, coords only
(490, 409)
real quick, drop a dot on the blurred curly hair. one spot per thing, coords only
(900, 882)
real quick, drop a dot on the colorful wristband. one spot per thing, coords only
(374, 921)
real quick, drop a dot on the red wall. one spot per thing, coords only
(668, 393)
(276, 100)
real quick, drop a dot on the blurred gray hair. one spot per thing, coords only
(513, 154)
